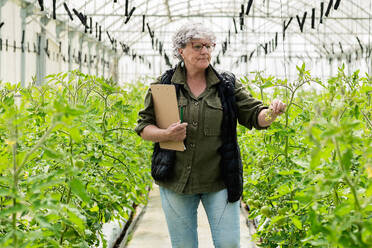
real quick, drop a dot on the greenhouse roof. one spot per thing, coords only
(246, 30)
(343, 21)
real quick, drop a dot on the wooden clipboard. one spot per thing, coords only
(166, 111)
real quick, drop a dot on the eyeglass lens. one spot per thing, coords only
(199, 46)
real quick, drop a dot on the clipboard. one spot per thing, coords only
(166, 111)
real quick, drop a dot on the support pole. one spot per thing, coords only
(71, 35)
(81, 41)
(103, 62)
(113, 68)
(25, 12)
(370, 60)
(41, 56)
(61, 27)
(2, 3)
(89, 57)
(97, 60)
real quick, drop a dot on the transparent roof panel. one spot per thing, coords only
(352, 17)
(246, 30)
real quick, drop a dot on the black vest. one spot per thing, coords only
(231, 164)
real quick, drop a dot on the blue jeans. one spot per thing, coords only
(181, 214)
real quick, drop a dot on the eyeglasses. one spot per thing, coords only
(198, 46)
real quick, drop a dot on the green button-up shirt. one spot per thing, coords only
(197, 169)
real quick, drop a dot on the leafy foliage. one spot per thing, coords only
(308, 177)
(69, 160)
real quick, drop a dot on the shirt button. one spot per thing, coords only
(196, 103)
(195, 123)
(192, 145)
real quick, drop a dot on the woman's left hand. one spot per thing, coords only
(267, 116)
(277, 107)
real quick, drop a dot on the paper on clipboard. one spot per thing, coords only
(166, 111)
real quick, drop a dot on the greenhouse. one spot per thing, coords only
(164, 123)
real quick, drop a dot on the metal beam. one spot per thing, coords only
(168, 10)
(225, 15)
(216, 15)
(103, 64)
(81, 41)
(70, 37)
(41, 58)
(25, 11)
(2, 3)
(97, 54)
(89, 56)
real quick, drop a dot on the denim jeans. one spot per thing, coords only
(181, 214)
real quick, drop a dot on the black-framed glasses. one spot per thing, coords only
(198, 46)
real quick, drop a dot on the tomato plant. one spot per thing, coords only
(311, 170)
(70, 160)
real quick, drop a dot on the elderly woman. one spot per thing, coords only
(210, 169)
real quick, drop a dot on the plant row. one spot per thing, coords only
(308, 178)
(69, 160)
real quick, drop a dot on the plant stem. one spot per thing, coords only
(69, 190)
(286, 127)
(104, 117)
(367, 119)
(86, 96)
(262, 95)
(286, 138)
(291, 101)
(40, 142)
(121, 128)
(346, 177)
(63, 194)
(66, 227)
(348, 181)
(71, 154)
(15, 186)
(15, 181)
(336, 196)
(115, 158)
(63, 234)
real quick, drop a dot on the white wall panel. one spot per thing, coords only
(10, 61)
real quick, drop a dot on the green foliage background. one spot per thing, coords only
(70, 161)
(308, 177)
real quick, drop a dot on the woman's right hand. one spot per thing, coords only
(176, 131)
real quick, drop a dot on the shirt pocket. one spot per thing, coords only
(213, 117)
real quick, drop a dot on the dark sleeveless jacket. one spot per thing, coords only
(231, 164)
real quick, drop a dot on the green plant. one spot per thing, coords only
(69, 160)
(312, 170)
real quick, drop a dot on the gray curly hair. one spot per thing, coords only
(189, 32)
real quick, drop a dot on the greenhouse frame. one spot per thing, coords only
(40, 40)
(120, 118)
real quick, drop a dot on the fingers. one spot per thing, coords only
(183, 124)
(278, 107)
(177, 131)
(178, 123)
(179, 126)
